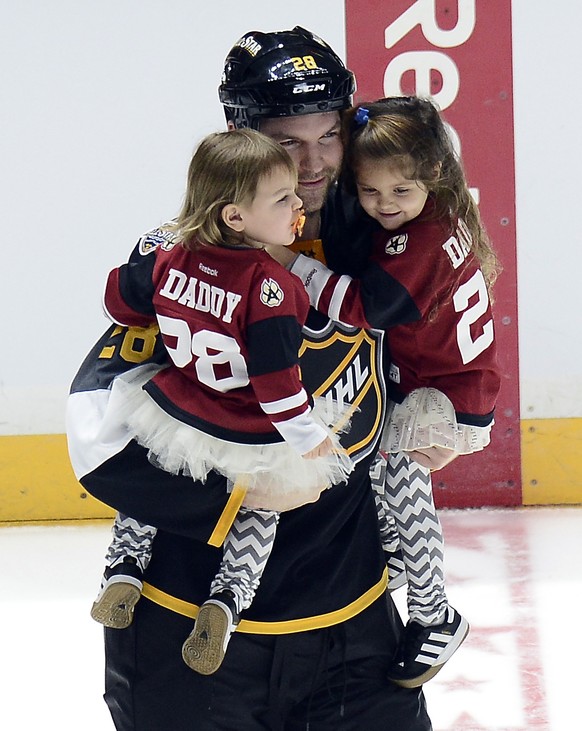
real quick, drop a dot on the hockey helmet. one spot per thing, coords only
(283, 74)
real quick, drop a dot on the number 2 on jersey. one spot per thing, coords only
(471, 347)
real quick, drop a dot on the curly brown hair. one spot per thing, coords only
(411, 133)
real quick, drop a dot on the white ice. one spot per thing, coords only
(516, 574)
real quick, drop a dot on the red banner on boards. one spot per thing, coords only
(459, 52)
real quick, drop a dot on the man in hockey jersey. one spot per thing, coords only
(314, 648)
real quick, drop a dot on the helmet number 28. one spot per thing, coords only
(303, 63)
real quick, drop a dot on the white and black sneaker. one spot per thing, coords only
(205, 647)
(425, 650)
(396, 569)
(120, 592)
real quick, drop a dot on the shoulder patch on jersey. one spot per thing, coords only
(396, 245)
(271, 293)
(157, 237)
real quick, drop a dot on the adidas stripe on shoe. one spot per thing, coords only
(425, 650)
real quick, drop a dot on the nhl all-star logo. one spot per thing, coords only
(396, 245)
(158, 237)
(271, 293)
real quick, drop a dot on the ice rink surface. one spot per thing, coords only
(516, 574)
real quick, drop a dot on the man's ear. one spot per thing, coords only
(232, 217)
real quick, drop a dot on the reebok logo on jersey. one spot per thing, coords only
(396, 245)
(309, 277)
(208, 270)
(271, 293)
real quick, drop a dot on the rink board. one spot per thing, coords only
(432, 49)
(37, 483)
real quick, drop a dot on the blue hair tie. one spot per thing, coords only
(362, 117)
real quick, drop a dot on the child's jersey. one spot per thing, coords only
(231, 321)
(426, 289)
(337, 361)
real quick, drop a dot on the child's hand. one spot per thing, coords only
(433, 458)
(272, 500)
(322, 450)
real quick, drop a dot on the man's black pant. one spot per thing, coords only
(331, 679)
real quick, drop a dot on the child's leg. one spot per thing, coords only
(127, 558)
(435, 630)
(247, 548)
(409, 498)
(130, 539)
(389, 535)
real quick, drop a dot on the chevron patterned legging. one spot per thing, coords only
(246, 550)
(130, 537)
(406, 507)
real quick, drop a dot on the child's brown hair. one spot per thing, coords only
(226, 168)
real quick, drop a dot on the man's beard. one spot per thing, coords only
(313, 200)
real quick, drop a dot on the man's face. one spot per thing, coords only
(313, 141)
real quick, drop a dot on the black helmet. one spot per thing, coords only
(282, 74)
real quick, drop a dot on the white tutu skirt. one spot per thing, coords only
(179, 448)
(426, 418)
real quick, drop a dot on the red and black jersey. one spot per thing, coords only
(340, 363)
(424, 286)
(231, 321)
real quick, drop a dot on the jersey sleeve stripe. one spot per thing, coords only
(338, 296)
(285, 404)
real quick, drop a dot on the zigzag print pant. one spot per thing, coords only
(130, 538)
(406, 510)
(247, 548)
(389, 535)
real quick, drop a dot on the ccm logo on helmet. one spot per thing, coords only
(304, 88)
